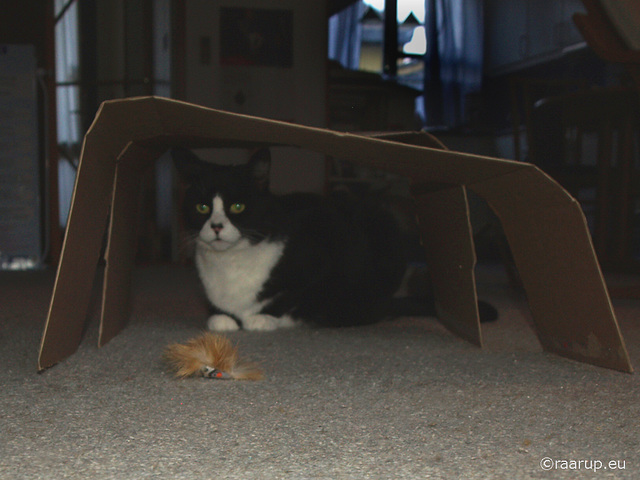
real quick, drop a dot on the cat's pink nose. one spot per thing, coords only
(216, 227)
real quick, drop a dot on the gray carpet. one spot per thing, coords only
(404, 399)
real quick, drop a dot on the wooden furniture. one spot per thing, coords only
(524, 92)
(587, 141)
(610, 30)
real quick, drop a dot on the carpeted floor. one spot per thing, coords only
(404, 399)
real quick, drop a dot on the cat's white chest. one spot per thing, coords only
(233, 278)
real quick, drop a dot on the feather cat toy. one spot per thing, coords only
(211, 356)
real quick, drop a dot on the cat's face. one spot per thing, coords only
(224, 220)
(226, 206)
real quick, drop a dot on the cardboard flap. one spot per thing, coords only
(445, 230)
(122, 239)
(552, 249)
(446, 234)
(569, 302)
(81, 247)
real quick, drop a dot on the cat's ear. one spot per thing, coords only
(259, 168)
(188, 164)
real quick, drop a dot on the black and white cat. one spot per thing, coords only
(270, 261)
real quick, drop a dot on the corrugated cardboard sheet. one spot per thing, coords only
(545, 226)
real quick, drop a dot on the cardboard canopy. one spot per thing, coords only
(544, 225)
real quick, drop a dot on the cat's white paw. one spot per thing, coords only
(222, 323)
(267, 322)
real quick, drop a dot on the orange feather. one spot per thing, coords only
(210, 355)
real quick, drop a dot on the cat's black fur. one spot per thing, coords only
(342, 258)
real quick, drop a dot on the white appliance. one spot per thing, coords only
(21, 226)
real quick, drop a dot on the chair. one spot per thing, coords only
(587, 141)
(610, 28)
(524, 93)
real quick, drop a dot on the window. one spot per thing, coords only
(411, 42)
(68, 99)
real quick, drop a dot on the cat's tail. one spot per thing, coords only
(426, 307)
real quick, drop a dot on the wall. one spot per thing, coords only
(219, 75)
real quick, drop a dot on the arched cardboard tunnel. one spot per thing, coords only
(544, 225)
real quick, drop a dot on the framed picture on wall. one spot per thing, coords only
(256, 36)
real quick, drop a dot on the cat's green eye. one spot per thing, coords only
(203, 208)
(237, 208)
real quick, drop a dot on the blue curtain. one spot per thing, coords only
(453, 62)
(345, 33)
